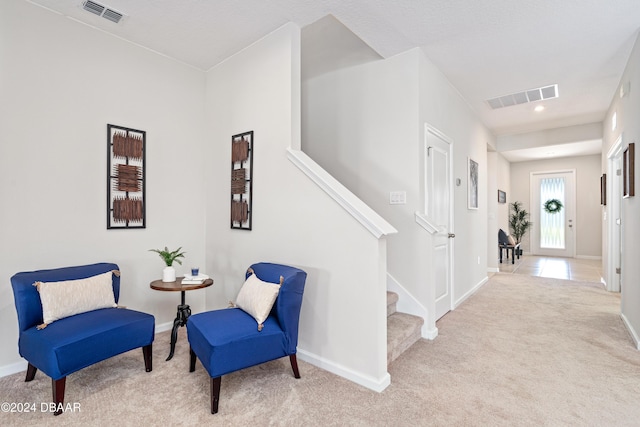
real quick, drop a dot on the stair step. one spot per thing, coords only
(392, 299)
(403, 330)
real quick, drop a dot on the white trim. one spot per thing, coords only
(593, 257)
(493, 270)
(369, 218)
(426, 223)
(632, 332)
(14, 368)
(163, 327)
(434, 131)
(470, 292)
(366, 381)
(429, 334)
(407, 303)
(318, 361)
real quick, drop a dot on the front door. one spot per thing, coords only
(439, 208)
(554, 225)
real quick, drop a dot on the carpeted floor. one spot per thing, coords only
(522, 351)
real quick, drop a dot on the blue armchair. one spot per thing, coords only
(72, 343)
(228, 340)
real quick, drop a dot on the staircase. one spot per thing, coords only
(403, 329)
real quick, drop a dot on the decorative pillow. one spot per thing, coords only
(69, 297)
(512, 241)
(256, 297)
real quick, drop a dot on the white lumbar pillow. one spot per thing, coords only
(69, 297)
(256, 297)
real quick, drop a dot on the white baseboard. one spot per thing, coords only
(632, 331)
(493, 270)
(472, 291)
(13, 368)
(588, 257)
(410, 305)
(167, 326)
(429, 333)
(349, 374)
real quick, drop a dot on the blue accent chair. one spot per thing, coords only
(228, 340)
(73, 343)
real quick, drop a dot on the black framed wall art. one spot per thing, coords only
(242, 180)
(126, 187)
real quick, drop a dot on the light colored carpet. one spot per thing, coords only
(522, 351)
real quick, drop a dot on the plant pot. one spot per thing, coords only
(169, 274)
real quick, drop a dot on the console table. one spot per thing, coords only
(184, 311)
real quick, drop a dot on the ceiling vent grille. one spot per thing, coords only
(530, 95)
(101, 10)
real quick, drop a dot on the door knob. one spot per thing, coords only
(451, 235)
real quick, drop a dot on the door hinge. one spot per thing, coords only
(618, 172)
(617, 270)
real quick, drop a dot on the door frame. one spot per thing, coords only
(534, 243)
(612, 211)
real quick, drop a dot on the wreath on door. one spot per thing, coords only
(552, 206)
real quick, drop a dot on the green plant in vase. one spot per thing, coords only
(519, 222)
(169, 257)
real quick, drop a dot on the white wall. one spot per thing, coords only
(498, 215)
(555, 136)
(365, 125)
(588, 210)
(628, 111)
(443, 108)
(61, 83)
(343, 319)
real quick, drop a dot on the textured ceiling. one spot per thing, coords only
(486, 48)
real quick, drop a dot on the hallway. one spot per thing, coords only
(587, 270)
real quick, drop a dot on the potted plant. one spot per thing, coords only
(518, 222)
(169, 257)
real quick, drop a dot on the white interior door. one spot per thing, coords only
(613, 217)
(553, 234)
(439, 210)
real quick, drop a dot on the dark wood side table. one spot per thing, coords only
(184, 311)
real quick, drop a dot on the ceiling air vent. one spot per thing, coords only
(101, 10)
(93, 7)
(530, 95)
(112, 15)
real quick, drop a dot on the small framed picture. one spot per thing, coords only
(473, 184)
(502, 196)
(628, 166)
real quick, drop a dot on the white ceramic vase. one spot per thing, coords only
(169, 274)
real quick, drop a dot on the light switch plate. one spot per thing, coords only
(397, 197)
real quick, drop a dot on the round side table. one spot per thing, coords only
(184, 311)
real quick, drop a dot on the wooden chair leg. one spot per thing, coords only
(31, 372)
(58, 393)
(294, 365)
(147, 352)
(215, 394)
(192, 360)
